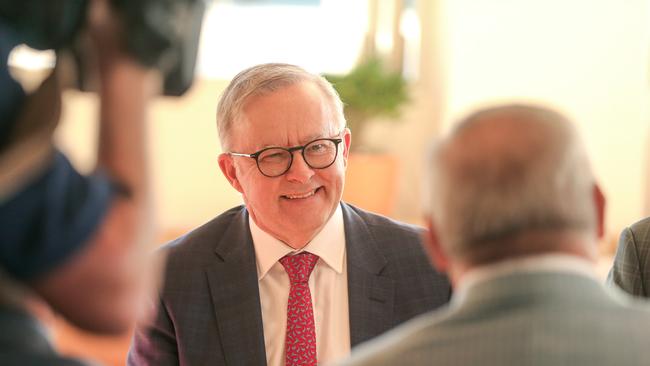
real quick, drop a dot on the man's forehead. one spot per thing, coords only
(303, 113)
(259, 138)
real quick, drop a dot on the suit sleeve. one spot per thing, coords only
(154, 341)
(627, 271)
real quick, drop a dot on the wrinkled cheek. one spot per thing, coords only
(269, 207)
(339, 189)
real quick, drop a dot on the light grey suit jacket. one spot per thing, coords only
(631, 269)
(209, 306)
(557, 319)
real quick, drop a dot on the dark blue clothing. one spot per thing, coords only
(50, 218)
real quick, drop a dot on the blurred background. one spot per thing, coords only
(589, 59)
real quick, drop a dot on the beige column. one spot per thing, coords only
(425, 113)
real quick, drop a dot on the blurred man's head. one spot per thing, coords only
(279, 105)
(511, 181)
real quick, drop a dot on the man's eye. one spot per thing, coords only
(275, 156)
(319, 147)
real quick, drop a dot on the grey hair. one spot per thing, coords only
(506, 170)
(263, 79)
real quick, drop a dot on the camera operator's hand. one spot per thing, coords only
(100, 288)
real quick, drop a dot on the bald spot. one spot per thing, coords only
(501, 147)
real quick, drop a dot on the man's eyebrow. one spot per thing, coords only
(310, 138)
(315, 137)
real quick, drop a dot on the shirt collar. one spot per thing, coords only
(562, 263)
(328, 244)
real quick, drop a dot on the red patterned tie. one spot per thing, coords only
(300, 342)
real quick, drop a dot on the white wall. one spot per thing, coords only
(587, 58)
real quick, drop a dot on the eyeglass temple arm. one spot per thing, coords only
(240, 154)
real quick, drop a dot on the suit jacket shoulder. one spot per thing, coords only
(631, 267)
(389, 238)
(541, 318)
(203, 239)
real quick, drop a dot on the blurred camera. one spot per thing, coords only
(162, 34)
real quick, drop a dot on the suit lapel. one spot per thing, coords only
(370, 296)
(235, 296)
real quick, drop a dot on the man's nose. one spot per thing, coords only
(299, 171)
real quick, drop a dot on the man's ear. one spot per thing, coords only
(229, 171)
(600, 203)
(433, 248)
(347, 140)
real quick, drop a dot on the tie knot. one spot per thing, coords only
(299, 266)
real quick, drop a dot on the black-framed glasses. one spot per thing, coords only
(275, 161)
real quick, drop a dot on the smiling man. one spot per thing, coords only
(294, 276)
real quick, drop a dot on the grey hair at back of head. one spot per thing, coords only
(507, 170)
(263, 79)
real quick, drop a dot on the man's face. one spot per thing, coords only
(295, 206)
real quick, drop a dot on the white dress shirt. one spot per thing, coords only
(328, 285)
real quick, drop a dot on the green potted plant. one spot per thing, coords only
(370, 91)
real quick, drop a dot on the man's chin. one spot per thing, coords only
(304, 227)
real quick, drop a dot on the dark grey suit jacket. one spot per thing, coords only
(23, 342)
(209, 306)
(631, 268)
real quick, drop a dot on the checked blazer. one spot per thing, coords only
(631, 268)
(539, 318)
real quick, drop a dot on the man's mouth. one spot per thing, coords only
(297, 196)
